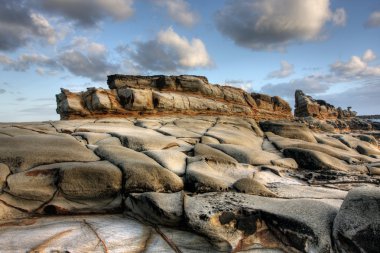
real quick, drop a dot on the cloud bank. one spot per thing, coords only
(272, 24)
(19, 26)
(87, 12)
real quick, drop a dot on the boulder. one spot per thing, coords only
(21, 153)
(141, 173)
(210, 153)
(232, 134)
(357, 224)
(141, 139)
(173, 160)
(38, 184)
(253, 187)
(247, 155)
(231, 220)
(288, 163)
(288, 129)
(90, 180)
(315, 160)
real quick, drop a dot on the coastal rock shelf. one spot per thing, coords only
(168, 95)
(181, 183)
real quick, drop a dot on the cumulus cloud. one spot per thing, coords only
(369, 55)
(179, 11)
(81, 58)
(87, 59)
(19, 25)
(88, 12)
(26, 61)
(272, 24)
(286, 70)
(357, 67)
(170, 52)
(373, 20)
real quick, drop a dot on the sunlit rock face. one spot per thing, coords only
(168, 95)
(186, 184)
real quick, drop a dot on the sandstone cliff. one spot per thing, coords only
(167, 95)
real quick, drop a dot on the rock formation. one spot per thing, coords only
(322, 115)
(185, 184)
(168, 95)
(307, 106)
(177, 182)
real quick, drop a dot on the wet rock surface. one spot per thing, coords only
(186, 184)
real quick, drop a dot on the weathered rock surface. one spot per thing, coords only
(307, 106)
(321, 115)
(357, 224)
(157, 208)
(141, 173)
(24, 152)
(231, 220)
(191, 183)
(163, 95)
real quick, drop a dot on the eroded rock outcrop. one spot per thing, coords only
(168, 95)
(319, 114)
(307, 106)
(184, 183)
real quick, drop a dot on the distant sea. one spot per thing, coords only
(375, 120)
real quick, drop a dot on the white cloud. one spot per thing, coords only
(44, 28)
(87, 59)
(170, 52)
(88, 12)
(190, 54)
(179, 11)
(286, 70)
(272, 24)
(374, 19)
(20, 26)
(339, 17)
(26, 61)
(81, 57)
(369, 55)
(357, 67)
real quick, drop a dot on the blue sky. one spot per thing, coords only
(328, 48)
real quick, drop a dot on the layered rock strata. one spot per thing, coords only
(321, 115)
(168, 95)
(186, 184)
(306, 106)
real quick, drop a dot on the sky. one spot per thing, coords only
(328, 48)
